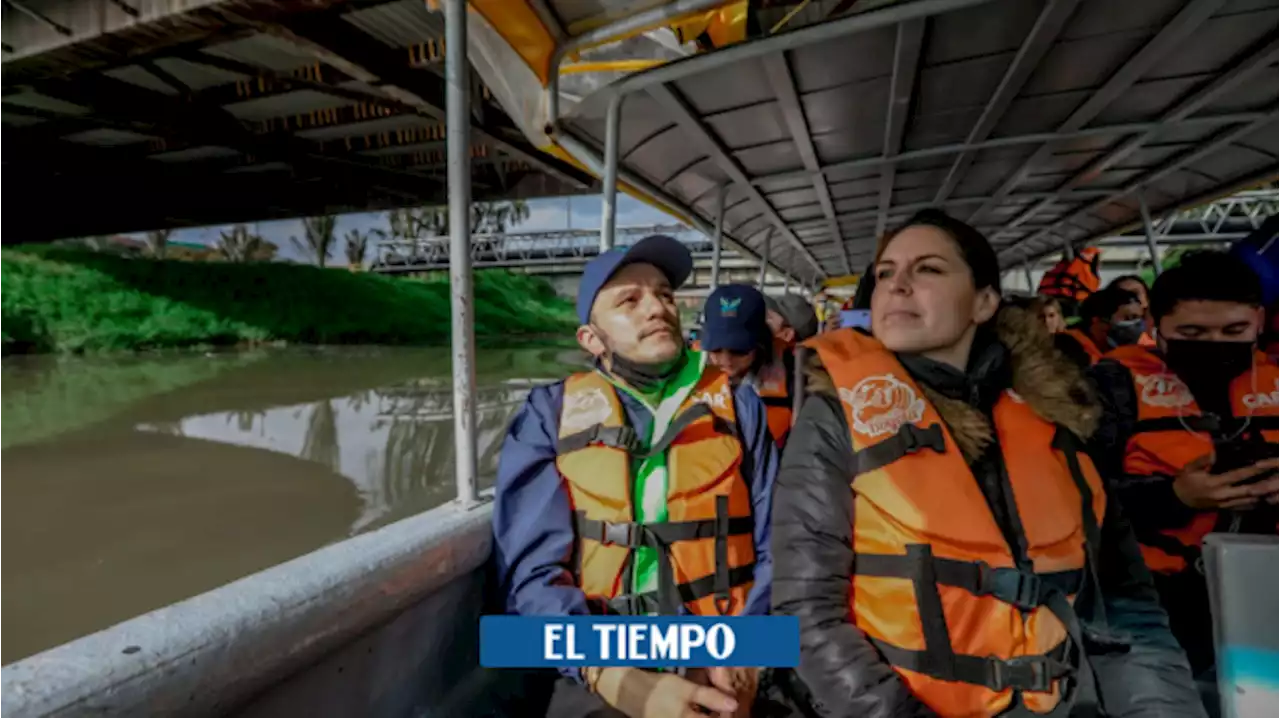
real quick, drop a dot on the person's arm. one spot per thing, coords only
(533, 539)
(1153, 677)
(1149, 501)
(762, 466)
(813, 550)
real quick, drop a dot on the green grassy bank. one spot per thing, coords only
(75, 301)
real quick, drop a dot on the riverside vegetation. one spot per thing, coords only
(70, 300)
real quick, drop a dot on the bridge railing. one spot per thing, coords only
(518, 248)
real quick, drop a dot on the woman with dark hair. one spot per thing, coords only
(1138, 287)
(946, 544)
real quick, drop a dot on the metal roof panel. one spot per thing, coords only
(398, 24)
(106, 137)
(267, 51)
(289, 103)
(136, 75)
(841, 62)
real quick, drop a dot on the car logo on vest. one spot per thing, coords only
(1164, 390)
(1259, 400)
(881, 405)
(729, 307)
(584, 409)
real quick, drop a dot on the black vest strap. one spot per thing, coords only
(1208, 424)
(641, 604)
(625, 438)
(666, 600)
(1026, 673)
(1023, 589)
(939, 659)
(909, 439)
(1170, 545)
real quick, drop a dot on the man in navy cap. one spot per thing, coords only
(735, 330)
(738, 337)
(640, 487)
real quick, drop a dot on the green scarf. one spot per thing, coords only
(649, 495)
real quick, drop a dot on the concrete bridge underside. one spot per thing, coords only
(129, 115)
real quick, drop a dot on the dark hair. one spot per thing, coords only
(1103, 303)
(1130, 278)
(1205, 275)
(866, 285)
(974, 247)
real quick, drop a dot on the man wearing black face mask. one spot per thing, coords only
(1109, 318)
(1188, 436)
(642, 486)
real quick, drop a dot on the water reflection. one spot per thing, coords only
(133, 483)
(394, 444)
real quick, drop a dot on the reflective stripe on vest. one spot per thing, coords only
(936, 587)
(1074, 278)
(1086, 343)
(706, 547)
(1171, 432)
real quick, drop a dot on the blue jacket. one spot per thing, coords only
(533, 522)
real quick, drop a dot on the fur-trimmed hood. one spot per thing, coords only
(1051, 385)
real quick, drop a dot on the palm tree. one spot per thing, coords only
(318, 238)
(238, 245)
(157, 242)
(357, 247)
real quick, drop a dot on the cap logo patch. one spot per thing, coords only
(729, 307)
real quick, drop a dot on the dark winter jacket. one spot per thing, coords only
(1140, 669)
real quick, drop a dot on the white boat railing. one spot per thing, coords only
(327, 633)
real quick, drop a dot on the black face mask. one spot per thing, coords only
(1127, 332)
(1204, 363)
(644, 378)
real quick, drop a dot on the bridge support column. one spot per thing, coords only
(458, 156)
(1150, 229)
(786, 283)
(1026, 270)
(608, 210)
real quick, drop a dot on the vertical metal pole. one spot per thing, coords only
(786, 282)
(458, 135)
(1067, 250)
(1151, 234)
(717, 239)
(608, 215)
(1026, 270)
(764, 258)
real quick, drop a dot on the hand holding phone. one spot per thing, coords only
(1198, 487)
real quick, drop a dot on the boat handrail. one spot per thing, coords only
(212, 652)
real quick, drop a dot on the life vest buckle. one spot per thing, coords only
(1021, 589)
(1024, 673)
(617, 534)
(916, 438)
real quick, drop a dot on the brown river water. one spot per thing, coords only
(130, 483)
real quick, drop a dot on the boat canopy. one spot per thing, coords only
(1045, 124)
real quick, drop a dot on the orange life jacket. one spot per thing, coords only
(1146, 340)
(771, 386)
(1171, 432)
(936, 587)
(706, 546)
(1086, 343)
(1074, 278)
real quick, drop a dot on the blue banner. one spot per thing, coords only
(641, 641)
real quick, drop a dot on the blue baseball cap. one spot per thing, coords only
(670, 256)
(735, 319)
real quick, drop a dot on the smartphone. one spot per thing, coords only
(1232, 455)
(856, 318)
